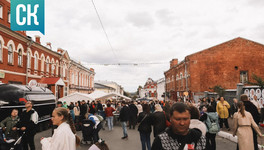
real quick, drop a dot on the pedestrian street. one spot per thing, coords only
(114, 141)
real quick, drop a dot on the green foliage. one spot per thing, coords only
(127, 94)
(258, 81)
(219, 90)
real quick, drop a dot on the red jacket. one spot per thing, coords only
(109, 111)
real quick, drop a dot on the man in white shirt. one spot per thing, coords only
(256, 103)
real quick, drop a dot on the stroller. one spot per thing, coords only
(10, 143)
(87, 131)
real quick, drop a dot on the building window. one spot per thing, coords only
(36, 62)
(1, 52)
(47, 66)
(42, 63)
(72, 78)
(76, 79)
(20, 57)
(1, 11)
(10, 54)
(52, 68)
(9, 16)
(57, 68)
(243, 77)
(28, 60)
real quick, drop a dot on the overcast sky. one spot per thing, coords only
(145, 31)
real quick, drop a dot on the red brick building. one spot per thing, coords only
(149, 90)
(23, 59)
(226, 64)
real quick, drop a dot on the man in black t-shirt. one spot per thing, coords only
(178, 135)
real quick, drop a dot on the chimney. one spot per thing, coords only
(60, 50)
(48, 45)
(37, 39)
(173, 62)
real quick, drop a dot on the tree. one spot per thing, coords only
(139, 87)
(127, 94)
(219, 90)
(258, 81)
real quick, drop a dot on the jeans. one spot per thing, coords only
(124, 126)
(145, 139)
(110, 122)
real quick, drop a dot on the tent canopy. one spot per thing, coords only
(74, 97)
(102, 95)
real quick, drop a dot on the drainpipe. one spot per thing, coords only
(186, 75)
(29, 43)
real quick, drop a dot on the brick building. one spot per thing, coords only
(26, 61)
(226, 64)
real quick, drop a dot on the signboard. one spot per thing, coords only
(2, 75)
(32, 83)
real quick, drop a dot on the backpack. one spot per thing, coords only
(99, 117)
(213, 128)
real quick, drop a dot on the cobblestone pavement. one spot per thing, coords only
(113, 139)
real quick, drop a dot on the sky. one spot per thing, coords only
(145, 31)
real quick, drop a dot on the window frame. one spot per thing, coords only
(36, 61)
(1, 11)
(242, 74)
(10, 55)
(19, 57)
(1, 52)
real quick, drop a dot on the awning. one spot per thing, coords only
(102, 95)
(52, 81)
(75, 97)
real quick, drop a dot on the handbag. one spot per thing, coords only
(167, 122)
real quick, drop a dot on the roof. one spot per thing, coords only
(75, 97)
(102, 86)
(103, 95)
(52, 81)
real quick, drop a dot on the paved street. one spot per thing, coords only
(113, 139)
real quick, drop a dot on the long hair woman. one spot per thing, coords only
(144, 127)
(243, 121)
(64, 137)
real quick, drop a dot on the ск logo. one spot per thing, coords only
(28, 15)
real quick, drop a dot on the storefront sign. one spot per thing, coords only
(2, 75)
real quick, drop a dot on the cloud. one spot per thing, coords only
(146, 31)
(140, 19)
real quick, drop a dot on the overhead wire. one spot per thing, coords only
(125, 64)
(105, 31)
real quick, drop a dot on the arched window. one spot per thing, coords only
(1, 51)
(36, 62)
(47, 65)
(29, 60)
(42, 63)
(20, 57)
(10, 54)
(72, 78)
(57, 68)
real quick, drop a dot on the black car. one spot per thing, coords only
(14, 96)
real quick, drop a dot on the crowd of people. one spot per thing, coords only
(175, 125)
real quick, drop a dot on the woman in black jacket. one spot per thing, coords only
(144, 127)
(158, 120)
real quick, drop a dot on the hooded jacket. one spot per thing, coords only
(211, 116)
